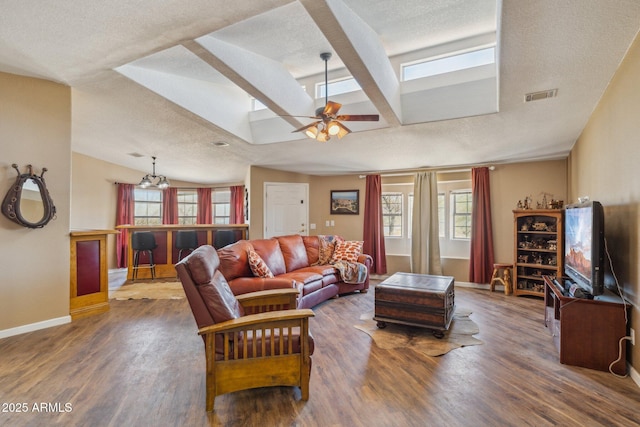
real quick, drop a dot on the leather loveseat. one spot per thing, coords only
(293, 262)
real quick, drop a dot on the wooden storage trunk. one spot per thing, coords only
(417, 300)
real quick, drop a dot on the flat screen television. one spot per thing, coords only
(584, 247)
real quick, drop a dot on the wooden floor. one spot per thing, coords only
(142, 364)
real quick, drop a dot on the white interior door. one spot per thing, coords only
(286, 209)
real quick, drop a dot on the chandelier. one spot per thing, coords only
(148, 179)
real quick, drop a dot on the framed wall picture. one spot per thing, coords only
(345, 202)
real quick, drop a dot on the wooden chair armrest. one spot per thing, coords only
(246, 322)
(271, 297)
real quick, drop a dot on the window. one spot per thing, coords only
(187, 207)
(148, 206)
(461, 214)
(337, 87)
(257, 105)
(392, 214)
(397, 206)
(449, 64)
(221, 206)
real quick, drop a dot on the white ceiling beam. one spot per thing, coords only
(262, 78)
(360, 49)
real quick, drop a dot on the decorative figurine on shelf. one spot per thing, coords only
(545, 204)
(520, 204)
(527, 202)
(556, 204)
(540, 226)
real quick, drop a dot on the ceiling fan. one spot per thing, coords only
(328, 121)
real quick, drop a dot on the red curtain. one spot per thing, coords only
(373, 233)
(124, 216)
(236, 215)
(170, 205)
(204, 206)
(481, 257)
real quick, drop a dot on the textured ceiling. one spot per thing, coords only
(191, 96)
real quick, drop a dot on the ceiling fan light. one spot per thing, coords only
(312, 132)
(323, 136)
(333, 128)
(342, 132)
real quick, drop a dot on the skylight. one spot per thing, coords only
(257, 105)
(337, 87)
(449, 64)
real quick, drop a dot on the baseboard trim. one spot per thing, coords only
(18, 330)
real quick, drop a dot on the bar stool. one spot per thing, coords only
(223, 238)
(143, 241)
(186, 240)
(502, 275)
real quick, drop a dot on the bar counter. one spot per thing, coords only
(89, 282)
(166, 254)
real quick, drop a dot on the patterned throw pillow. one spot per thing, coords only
(348, 251)
(326, 248)
(259, 268)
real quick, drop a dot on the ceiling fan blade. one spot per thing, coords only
(306, 127)
(302, 117)
(331, 109)
(359, 117)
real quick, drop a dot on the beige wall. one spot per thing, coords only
(35, 128)
(604, 166)
(348, 226)
(94, 193)
(513, 182)
(509, 183)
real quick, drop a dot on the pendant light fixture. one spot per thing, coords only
(148, 179)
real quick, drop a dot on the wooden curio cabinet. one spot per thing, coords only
(538, 237)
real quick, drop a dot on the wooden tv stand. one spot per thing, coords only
(586, 332)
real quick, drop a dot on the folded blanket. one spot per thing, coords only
(353, 273)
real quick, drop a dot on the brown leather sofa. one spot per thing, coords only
(291, 259)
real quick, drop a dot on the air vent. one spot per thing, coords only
(136, 155)
(221, 144)
(536, 96)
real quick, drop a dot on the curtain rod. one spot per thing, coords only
(384, 175)
(185, 188)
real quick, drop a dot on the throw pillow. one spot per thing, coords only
(259, 268)
(348, 251)
(326, 247)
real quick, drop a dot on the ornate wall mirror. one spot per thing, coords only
(28, 202)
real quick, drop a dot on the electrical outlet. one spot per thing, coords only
(633, 336)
